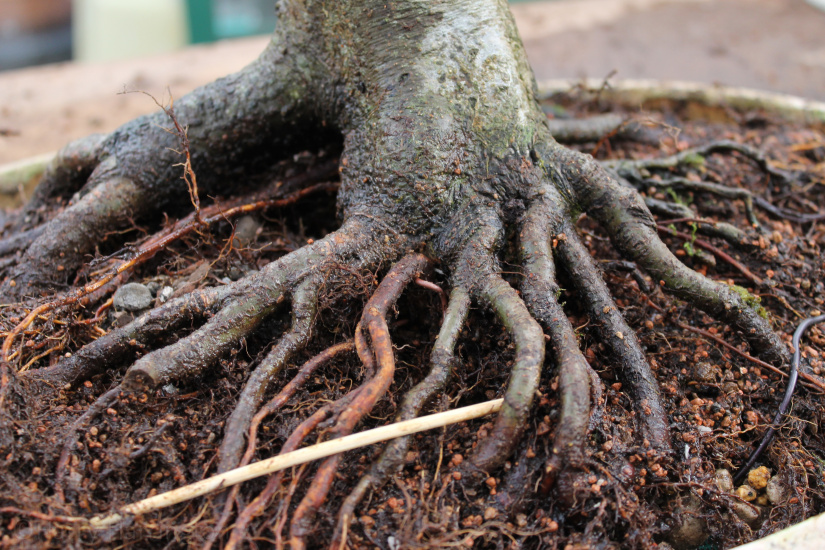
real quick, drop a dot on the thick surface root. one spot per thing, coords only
(304, 309)
(477, 270)
(66, 174)
(374, 321)
(254, 299)
(124, 343)
(632, 230)
(441, 363)
(540, 291)
(110, 203)
(621, 339)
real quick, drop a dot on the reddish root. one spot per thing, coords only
(289, 390)
(270, 408)
(331, 410)
(374, 320)
(441, 362)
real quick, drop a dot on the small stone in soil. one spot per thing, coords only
(724, 481)
(777, 491)
(746, 493)
(693, 530)
(165, 293)
(747, 512)
(245, 231)
(132, 297)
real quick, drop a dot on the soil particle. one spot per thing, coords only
(748, 513)
(746, 493)
(758, 477)
(706, 372)
(164, 294)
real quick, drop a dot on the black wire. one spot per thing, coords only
(786, 401)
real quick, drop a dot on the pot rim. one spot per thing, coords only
(640, 90)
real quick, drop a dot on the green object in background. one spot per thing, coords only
(211, 20)
(108, 30)
(199, 13)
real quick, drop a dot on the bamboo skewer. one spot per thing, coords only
(15, 174)
(295, 458)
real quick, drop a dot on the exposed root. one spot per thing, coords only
(632, 230)
(150, 247)
(189, 356)
(524, 376)
(111, 203)
(637, 172)
(475, 180)
(540, 292)
(51, 518)
(122, 344)
(289, 390)
(441, 362)
(251, 301)
(304, 307)
(621, 339)
(810, 382)
(66, 173)
(374, 320)
(271, 407)
(254, 508)
(592, 128)
(18, 241)
(786, 399)
(723, 191)
(721, 254)
(477, 269)
(722, 230)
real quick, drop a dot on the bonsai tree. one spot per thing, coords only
(445, 159)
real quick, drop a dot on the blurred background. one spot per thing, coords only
(65, 63)
(33, 32)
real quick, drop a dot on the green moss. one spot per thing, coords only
(678, 199)
(753, 302)
(693, 159)
(688, 246)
